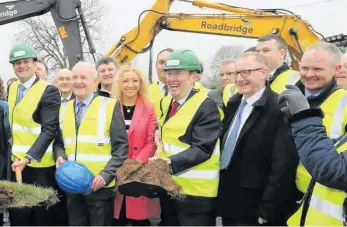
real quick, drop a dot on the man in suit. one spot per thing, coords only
(3, 151)
(107, 69)
(190, 127)
(92, 132)
(63, 81)
(34, 119)
(258, 160)
(227, 68)
(159, 89)
(274, 49)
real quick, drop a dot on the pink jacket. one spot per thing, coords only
(141, 147)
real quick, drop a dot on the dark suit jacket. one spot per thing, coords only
(202, 135)
(3, 146)
(217, 96)
(119, 143)
(260, 178)
(47, 115)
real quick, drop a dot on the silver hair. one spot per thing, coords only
(88, 66)
(333, 51)
(228, 61)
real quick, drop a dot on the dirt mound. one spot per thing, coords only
(156, 173)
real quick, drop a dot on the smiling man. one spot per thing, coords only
(107, 69)
(190, 127)
(92, 132)
(341, 76)
(319, 65)
(258, 159)
(34, 119)
(159, 89)
(63, 81)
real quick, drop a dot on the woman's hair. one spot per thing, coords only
(116, 86)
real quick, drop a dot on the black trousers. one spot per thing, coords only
(190, 211)
(39, 216)
(123, 220)
(95, 209)
(251, 222)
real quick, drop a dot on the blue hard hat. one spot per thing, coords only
(73, 177)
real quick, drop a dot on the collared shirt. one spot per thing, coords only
(247, 110)
(86, 102)
(183, 100)
(308, 93)
(28, 83)
(67, 98)
(104, 90)
(161, 86)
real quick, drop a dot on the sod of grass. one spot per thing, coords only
(14, 195)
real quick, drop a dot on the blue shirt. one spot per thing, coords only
(86, 102)
(184, 99)
(308, 93)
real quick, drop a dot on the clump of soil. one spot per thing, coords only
(156, 173)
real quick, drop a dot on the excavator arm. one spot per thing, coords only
(67, 16)
(237, 22)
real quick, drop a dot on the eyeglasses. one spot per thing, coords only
(227, 73)
(245, 73)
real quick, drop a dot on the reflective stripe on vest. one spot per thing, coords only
(25, 130)
(287, 77)
(326, 204)
(228, 92)
(335, 113)
(201, 180)
(335, 119)
(92, 146)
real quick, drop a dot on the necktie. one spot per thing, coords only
(166, 90)
(231, 140)
(79, 112)
(64, 100)
(174, 107)
(21, 90)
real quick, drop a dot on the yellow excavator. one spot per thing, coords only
(234, 21)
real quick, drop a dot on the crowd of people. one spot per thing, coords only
(267, 148)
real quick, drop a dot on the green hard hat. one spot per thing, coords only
(22, 51)
(183, 59)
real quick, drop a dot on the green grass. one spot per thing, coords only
(25, 195)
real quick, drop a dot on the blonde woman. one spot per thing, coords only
(131, 89)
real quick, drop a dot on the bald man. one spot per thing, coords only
(341, 76)
(63, 82)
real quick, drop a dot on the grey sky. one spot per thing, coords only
(327, 17)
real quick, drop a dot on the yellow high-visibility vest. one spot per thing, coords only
(201, 180)
(326, 204)
(91, 144)
(156, 95)
(289, 77)
(25, 130)
(334, 121)
(228, 92)
(198, 86)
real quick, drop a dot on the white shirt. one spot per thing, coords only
(246, 111)
(161, 86)
(67, 98)
(28, 83)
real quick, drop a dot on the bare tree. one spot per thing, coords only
(42, 34)
(212, 79)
